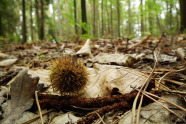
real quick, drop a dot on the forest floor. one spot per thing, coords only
(124, 75)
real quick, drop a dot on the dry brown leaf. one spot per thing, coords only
(7, 62)
(85, 50)
(180, 52)
(119, 59)
(108, 77)
(22, 90)
(146, 39)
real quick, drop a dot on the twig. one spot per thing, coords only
(102, 111)
(175, 91)
(100, 118)
(168, 73)
(137, 96)
(175, 82)
(38, 106)
(164, 106)
(37, 117)
(181, 108)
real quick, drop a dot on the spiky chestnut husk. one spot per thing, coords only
(68, 76)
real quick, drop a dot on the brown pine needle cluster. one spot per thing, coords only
(68, 76)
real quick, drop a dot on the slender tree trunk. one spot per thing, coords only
(75, 17)
(108, 20)
(84, 15)
(129, 18)
(118, 12)
(142, 18)
(37, 6)
(177, 20)
(42, 21)
(111, 19)
(183, 15)
(159, 24)
(59, 17)
(102, 21)
(1, 26)
(170, 16)
(150, 18)
(24, 31)
(94, 18)
(31, 21)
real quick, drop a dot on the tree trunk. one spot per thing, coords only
(159, 24)
(177, 19)
(37, 6)
(42, 36)
(84, 15)
(59, 17)
(183, 15)
(108, 20)
(102, 22)
(170, 16)
(75, 18)
(31, 22)
(1, 26)
(129, 18)
(24, 32)
(118, 12)
(94, 18)
(150, 18)
(111, 18)
(142, 18)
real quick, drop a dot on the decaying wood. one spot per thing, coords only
(58, 103)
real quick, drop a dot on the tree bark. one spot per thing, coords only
(142, 18)
(102, 22)
(170, 16)
(94, 18)
(159, 24)
(84, 15)
(42, 35)
(129, 20)
(1, 27)
(59, 17)
(31, 22)
(24, 31)
(108, 20)
(118, 13)
(111, 18)
(150, 18)
(183, 15)
(75, 18)
(37, 6)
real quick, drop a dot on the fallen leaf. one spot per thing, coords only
(146, 39)
(107, 77)
(119, 59)
(180, 52)
(22, 90)
(64, 119)
(7, 62)
(85, 50)
(1, 96)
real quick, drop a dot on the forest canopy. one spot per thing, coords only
(33, 20)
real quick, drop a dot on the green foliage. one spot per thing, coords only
(84, 26)
(184, 31)
(86, 36)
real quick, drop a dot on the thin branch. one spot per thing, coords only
(37, 117)
(38, 106)
(181, 108)
(164, 106)
(145, 87)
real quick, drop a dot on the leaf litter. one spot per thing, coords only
(116, 67)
